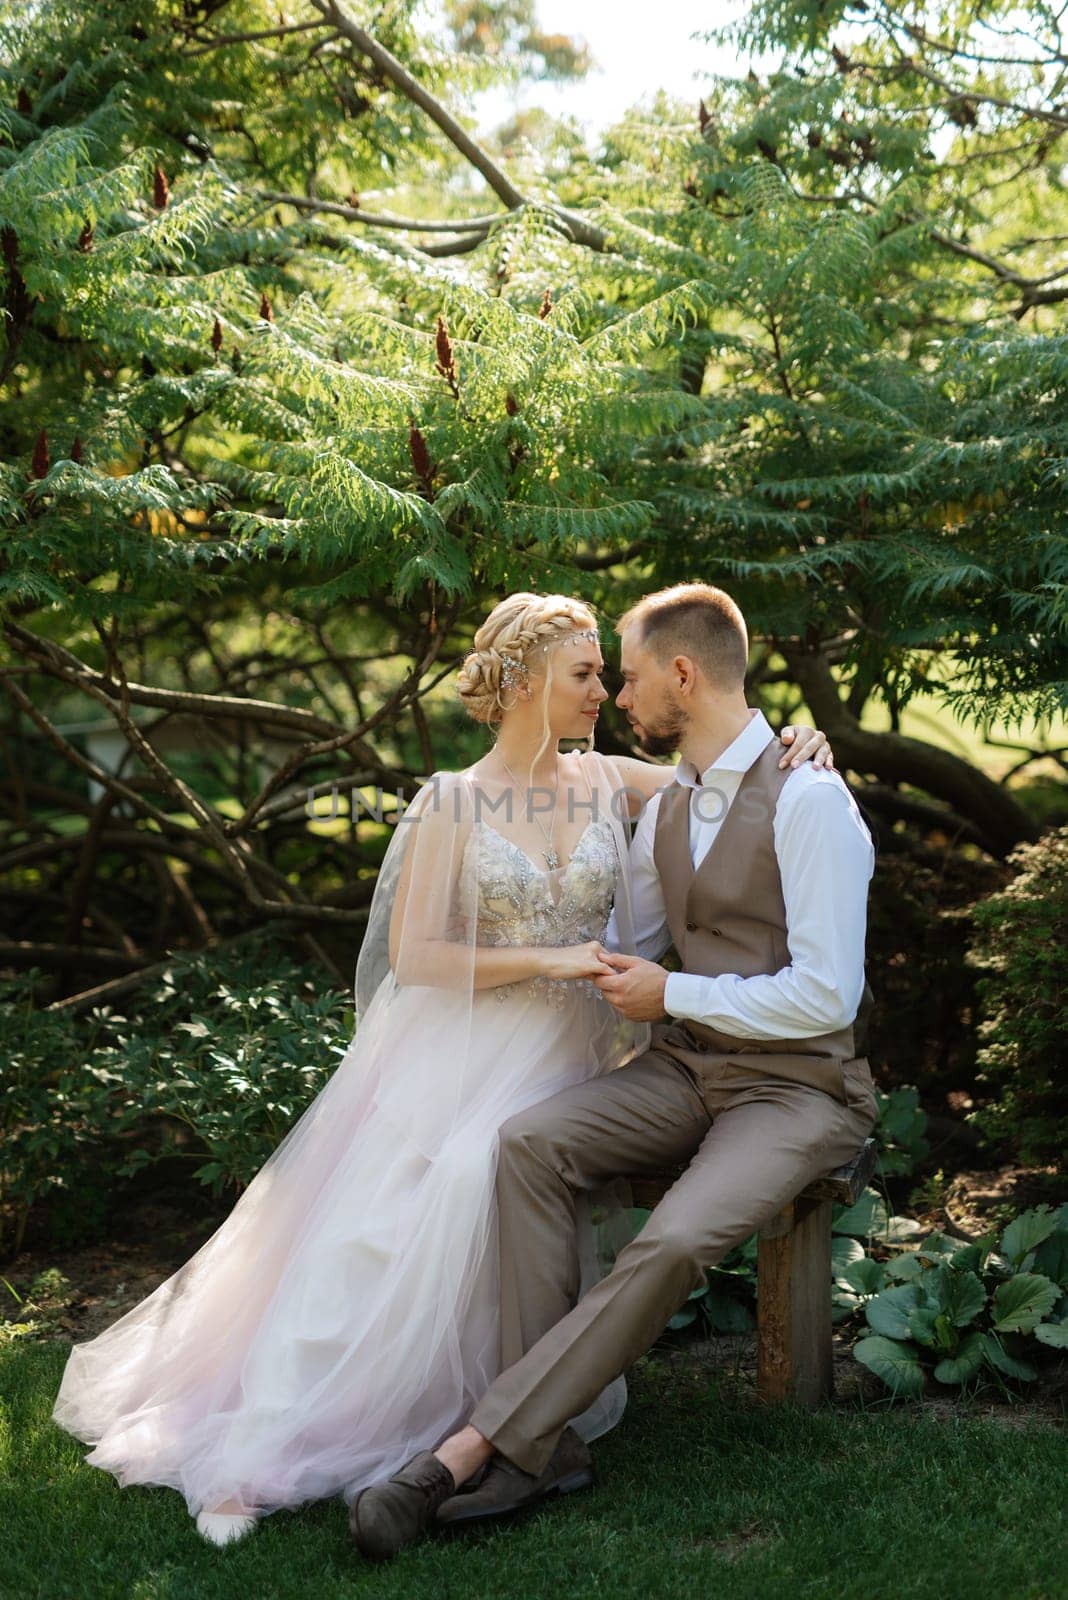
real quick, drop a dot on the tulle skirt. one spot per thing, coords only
(345, 1316)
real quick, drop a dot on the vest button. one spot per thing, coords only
(717, 933)
(691, 927)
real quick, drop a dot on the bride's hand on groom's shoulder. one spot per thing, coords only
(806, 744)
(635, 987)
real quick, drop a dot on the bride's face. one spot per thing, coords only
(576, 692)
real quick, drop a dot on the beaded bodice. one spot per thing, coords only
(520, 904)
(516, 900)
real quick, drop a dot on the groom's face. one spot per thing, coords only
(649, 698)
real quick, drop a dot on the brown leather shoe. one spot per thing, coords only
(507, 1489)
(388, 1516)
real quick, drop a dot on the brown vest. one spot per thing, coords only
(729, 915)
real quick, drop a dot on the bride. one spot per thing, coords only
(344, 1316)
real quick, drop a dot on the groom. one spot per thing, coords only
(754, 1076)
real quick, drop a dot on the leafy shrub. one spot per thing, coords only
(919, 925)
(239, 1061)
(1020, 943)
(57, 1108)
(958, 1312)
(726, 1301)
(212, 1063)
(901, 1132)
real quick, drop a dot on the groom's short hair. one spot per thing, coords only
(695, 620)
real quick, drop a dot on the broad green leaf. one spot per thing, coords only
(1023, 1301)
(888, 1313)
(969, 1258)
(959, 1294)
(898, 1229)
(866, 1219)
(865, 1276)
(1055, 1334)
(937, 1247)
(1051, 1257)
(844, 1251)
(843, 1305)
(1027, 1231)
(904, 1267)
(999, 1357)
(726, 1314)
(683, 1318)
(896, 1364)
(964, 1364)
(924, 1326)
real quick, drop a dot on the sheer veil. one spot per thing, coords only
(423, 927)
(344, 1314)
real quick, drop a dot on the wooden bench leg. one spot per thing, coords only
(794, 1352)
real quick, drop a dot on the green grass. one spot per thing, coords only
(701, 1493)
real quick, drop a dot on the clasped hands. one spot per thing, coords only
(635, 987)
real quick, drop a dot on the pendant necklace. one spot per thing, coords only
(552, 860)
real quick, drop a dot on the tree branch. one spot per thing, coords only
(610, 558)
(391, 68)
(106, 779)
(408, 690)
(249, 38)
(581, 231)
(379, 219)
(999, 819)
(27, 953)
(64, 664)
(891, 803)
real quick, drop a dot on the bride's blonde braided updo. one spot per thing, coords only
(517, 629)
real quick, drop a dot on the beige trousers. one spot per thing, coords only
(753, 1141)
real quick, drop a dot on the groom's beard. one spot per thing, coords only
(663, 736)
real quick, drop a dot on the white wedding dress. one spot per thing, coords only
(344, 1316)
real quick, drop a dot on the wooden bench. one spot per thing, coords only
(794, 1353)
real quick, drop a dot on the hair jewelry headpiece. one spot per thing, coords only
(515, 673)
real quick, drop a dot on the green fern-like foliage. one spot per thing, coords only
(767, 376)
(200, 389)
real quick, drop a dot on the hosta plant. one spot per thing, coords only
(958, 1312)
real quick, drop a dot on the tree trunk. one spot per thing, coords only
(1000, 822)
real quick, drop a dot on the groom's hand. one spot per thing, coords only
(636, 988)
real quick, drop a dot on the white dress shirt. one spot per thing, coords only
(825, 858)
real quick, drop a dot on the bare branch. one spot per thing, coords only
(581, 231)
(379, 219)
(1000, 270)
(408, 690)
(610, 558)
(219, 40)
(391, 68)
(896, 758)
(25, 953)
(75, 757)
(462, 245)
(62, 663)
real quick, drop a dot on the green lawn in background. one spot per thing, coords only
(925, 719)
(701, 1493)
